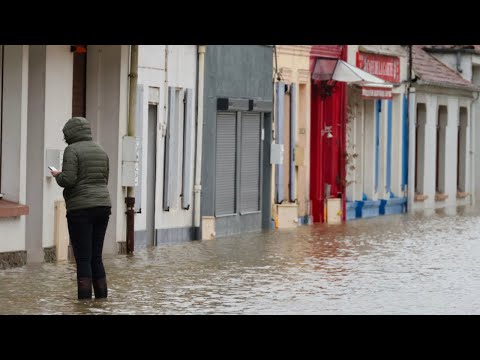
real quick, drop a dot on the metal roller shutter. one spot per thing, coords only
(226, 163)
(250, 163)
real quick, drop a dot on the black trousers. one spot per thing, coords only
(87, 229)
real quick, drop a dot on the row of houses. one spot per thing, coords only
(223, 139)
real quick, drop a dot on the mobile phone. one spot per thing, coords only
(52, 168)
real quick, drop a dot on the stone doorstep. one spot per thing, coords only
(440, 196)
(420, 197)
(462, 195)
(12, 209)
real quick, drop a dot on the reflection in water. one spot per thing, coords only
(405, 264)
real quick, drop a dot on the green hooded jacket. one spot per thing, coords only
(85, 168)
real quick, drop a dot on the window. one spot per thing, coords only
(178, 155)
(171, 152)
(188, 142)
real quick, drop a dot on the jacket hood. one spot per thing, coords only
(77, 129)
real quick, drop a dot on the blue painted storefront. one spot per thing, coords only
(393, 205)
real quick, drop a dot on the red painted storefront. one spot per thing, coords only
(328, 114)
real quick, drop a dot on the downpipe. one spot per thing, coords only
(132, 109)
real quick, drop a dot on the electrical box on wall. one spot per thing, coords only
(129, 160)
(334, 211)
(128, 173)
(129, 152)
(53, 157)
(287, 216)
(277, 154)
(299, 156)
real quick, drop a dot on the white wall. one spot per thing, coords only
(12, 234)
(397, 145)
(362, 133)
(14, 154)
(151, 74)
(181, 72)
(453, 103)
(355, 140)
(430, 150)
(451, 61)
(15, 109)
(451, 151)
(58, 109)
(359, 148)
(107, 104)
(475, 127)
(351, 145)
(35, 152)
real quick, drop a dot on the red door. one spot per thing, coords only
(328, 116)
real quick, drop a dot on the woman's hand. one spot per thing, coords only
(55, 173)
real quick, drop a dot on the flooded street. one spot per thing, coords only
(401, 264)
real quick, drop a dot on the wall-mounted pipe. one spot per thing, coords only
(197, 189)
(132, 110)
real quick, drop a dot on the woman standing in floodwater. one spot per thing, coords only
(84, 177)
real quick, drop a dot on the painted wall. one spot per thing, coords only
(36, 152)
(107, 105)
(475, 139)
(292, 64)
(237, 71)
(448, 169)
(155, 78)
(462, 66)
(107, 80)
(327, 161)
(14, 147)
(376, 170)
(58, 109)
(12, 234)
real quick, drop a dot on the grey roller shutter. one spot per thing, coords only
(250, 163)
(226, 163)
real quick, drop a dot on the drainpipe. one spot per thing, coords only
(132, 109)
(411, 121)
(472, 148)
(459, 61)
(197, 189)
